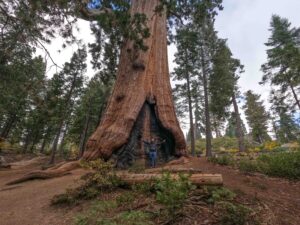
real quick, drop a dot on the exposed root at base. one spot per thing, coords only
(57, 171)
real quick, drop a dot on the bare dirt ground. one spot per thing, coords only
(29, 203)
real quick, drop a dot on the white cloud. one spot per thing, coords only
(245, 24)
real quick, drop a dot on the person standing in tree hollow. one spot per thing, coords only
(153, 146)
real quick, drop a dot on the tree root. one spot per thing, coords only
(6, 166)
(179, 161)
(56, 171)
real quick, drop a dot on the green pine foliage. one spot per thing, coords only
(282, 68)
(257, 117)
(230, 130)
(222, 81)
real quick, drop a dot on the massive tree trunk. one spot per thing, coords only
(141, 104)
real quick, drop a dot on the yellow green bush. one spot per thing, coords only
(221, 145)
(270, 145)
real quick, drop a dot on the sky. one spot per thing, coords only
(244, 23)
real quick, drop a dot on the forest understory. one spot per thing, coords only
(244, 199)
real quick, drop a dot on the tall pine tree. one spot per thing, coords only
(257, 117)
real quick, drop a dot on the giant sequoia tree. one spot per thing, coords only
(141, 103)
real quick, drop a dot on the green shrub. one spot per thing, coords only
(103, 179)
(99, 206)
(134, 218)
(171, 192)
(279, 164)
(101, 213)
(234, 214)
(224, 160)
(283, 164)
(64, 199)
(81, 220)
(217, 194)
(126, 198)
(248, 166)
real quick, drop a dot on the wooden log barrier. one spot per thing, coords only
(196, 179)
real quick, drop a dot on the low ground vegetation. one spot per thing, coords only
(160, 201)
(285, 164)
(226, 144)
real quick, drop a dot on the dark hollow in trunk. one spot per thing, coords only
(146, 126)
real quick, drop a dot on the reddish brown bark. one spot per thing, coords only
(136, 86)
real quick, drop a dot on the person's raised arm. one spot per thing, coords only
(146, 142)
(163, 141)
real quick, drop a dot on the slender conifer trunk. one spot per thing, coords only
(206, 107)
(239, 130)
(192, 131)
(295, 96)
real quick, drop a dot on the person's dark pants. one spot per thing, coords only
(152, 156)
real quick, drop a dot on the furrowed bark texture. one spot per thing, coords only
(142, 83)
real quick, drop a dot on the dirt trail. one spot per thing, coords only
(29, 203)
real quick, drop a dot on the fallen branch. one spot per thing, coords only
(49, 173)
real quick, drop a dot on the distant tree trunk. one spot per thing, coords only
(62, 141)
(45, 137)
(295, 96)
(216, 128)
(275, 129)
(55, 142)
(191, 115)
(8, 125)
(239, 130)
(83, 136)
(42, 149)
(206, 106)
(142, 88)
(198, 129)
(34, 142)
(27, 141)
(218, 133)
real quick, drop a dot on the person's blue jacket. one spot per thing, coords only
(94, 4)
